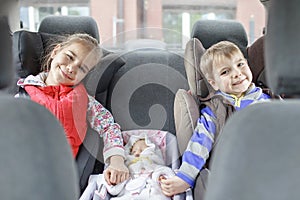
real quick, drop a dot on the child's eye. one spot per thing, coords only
(241, 64)
(82, 68)
(224, 72)
(70, 57)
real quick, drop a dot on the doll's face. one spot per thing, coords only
(138, 148)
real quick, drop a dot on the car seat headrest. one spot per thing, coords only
(205, 34)
(197, 83)
(210, 32)
(6, 68)
(69, 25)
(282, 48)
(28, 48)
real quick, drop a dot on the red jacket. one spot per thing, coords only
(69, 105)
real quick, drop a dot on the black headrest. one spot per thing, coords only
(6, 68)
(69, 25)
(28, 48)
(210, 32)
(282, 47)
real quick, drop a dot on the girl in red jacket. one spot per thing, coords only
(59, 89)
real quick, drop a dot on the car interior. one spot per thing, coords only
(147, 87)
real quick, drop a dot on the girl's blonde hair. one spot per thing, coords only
(83, 38)
(216, 54)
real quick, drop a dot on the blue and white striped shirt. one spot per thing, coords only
(201, 142)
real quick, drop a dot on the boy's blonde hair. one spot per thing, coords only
(83, 38)
(216, 54)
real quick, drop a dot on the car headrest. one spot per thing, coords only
(193, 52)
(28, 48)
(210, 32)
(69, 25)
(282, 47)
(6, 69)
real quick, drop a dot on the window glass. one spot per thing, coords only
(121, 20)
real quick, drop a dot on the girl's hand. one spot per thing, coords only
(117, 171)
(173, 185)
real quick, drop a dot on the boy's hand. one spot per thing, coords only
(117, 171)
(174, 185)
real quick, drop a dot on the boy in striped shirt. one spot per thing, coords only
(227, 71)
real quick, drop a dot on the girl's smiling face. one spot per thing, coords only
(70, 64)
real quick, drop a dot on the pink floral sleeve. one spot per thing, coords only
(103, 122)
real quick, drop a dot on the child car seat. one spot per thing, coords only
(164, 140)
(204, 34)
(187, 103)
(28, 48)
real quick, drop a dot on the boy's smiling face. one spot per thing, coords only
(231, 75)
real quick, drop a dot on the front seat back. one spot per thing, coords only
(36, 160)
(5, 55)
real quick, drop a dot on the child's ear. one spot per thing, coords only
(213, 84)
(55, 50)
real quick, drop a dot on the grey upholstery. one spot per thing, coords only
(210, 32)
(69, 25)
(36, 160)
(257, 156)
(142, 91)
(186, 107)
(97, 82)
(5, 54)
(283, 71)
